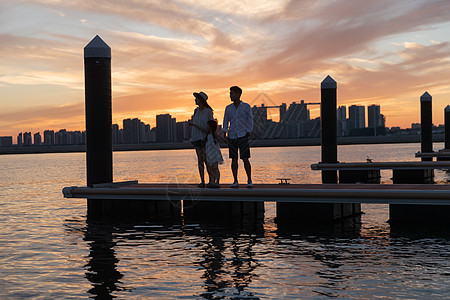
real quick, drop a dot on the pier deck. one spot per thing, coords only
(400, 165)
(440, 154)
(420, 194)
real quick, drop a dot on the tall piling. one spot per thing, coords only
(426, 126)
(328, 127)
(294, 213)
(447, 128)
(403, 213)
(99, 163)
(97, 73)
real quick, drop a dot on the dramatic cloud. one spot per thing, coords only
(380, 52)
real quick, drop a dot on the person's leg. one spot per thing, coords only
(233, 154)
(248, 169)
(210, 170)
(215, 171)
(201, 159)
(244, 149)
(218, 175)
(234, 169)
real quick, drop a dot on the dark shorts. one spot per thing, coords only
(242, 145)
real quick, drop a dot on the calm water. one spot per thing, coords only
(49, 251)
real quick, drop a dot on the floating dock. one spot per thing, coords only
(415, 194)
(403, 165)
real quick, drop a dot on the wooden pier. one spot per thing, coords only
(313, 203)
(415, 194)
(440, 155)
(320, 203)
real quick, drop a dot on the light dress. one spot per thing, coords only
(213, 153)
(200, 118)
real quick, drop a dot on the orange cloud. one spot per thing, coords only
(375, 50)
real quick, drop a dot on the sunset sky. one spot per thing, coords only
(380, 52)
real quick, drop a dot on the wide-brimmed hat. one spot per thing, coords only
(201, 95)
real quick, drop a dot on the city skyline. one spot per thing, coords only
(292, 118)
(378, 52)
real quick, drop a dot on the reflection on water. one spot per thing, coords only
(171, 259)
(207, 261)
(48, 251)
(101, 268)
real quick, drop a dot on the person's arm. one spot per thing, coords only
(205, 130)
(225, 123)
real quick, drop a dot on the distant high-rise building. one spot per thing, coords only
(75, 138)
(62, 137)
(382, 120)
(115, 134)
(282, 111)
(27, 139)
(165, 128)
(259, 120)
(146, 133)
(20, 139)
(37, 138)
(49, 137)
(373, 116)
(356, 117)
(297, 112)
(342, 113)
(342, 123)
(183, 131)
(132, 131)
(5, 141)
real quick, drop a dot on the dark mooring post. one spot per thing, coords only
(418, 214)
(328, 127)
(294, 213)
(97, 76)
(447, 127)
(97, 72)
(426, 126)
(420, 176)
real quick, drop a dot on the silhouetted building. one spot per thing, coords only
(27, 139)
(37, 138)
(5, 141)
(20, 139)
(282, 111)
(275, 130)
(296, 113)
(373, 116)
(342, 123)
(115, 134)
(293, 122)
(49, 137)
(183, 131)
(76, 138)
(146, 133)
(259, 120)
(375, 120)
(356, 117)
(311, 128)
(62, 137)
(165, 128)
(132, 131)
(415, 126)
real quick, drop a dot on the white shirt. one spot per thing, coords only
(201, 119)
(240, 120)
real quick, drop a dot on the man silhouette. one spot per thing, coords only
(238, 124)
